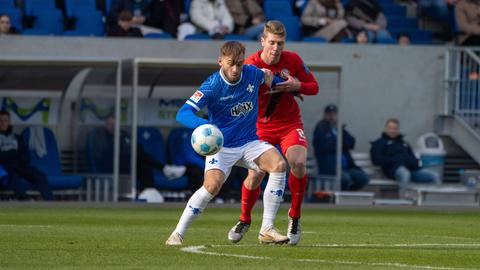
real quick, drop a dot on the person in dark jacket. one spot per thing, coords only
(395, 156)
(14, 158)
(124, 26)
(325, 145)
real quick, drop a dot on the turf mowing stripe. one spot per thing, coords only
(200, 250)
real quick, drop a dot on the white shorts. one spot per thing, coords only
(242, 156)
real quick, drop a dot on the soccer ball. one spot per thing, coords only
(207, 140)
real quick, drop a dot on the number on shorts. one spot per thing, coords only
(301, 134)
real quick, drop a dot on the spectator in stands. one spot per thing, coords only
(361, 37)
(165, 15)
(396, 158)
(248, 17)
(141, 11)
(104, 145)
(367, 15)
(468, 21)
(324, 18)
(15, 158)
(6, 27)
(124, 26)
(325, 145)
(212, 16)
(403, 39)
(442, 11)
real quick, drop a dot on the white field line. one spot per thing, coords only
(200, 250)
(24, 226)
(392, 234)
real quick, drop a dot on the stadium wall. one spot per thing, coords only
(379, 82)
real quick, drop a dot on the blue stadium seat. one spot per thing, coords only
(277, 9)
(34, 6)
(386, 40)
(159, 35)
(108, 6)
(75, 7)
(237, 37)
(7, 4)
(180, 149)
(394, 10)
(87, 23)
(15, 17)
(50, 163)
(152, 141)
(48, 21)
(293, 27)
(315, 39)
(186, 5)
(416, 36)
(198, 37)
(402, 23)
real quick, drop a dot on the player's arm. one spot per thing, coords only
(187, 115)
(269, 79)
(304, 82)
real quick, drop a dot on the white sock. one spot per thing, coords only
(195, 206)
(272, 197)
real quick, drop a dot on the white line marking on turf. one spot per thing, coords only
(200, 250)
(24, 226)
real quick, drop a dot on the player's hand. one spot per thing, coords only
(292, 84)
(268, 77)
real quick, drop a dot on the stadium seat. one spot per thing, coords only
(402, 23)
(180, 149)
(293, 27)
(152, 141)
(198, 37)
(186, 5)
(48, 21)
(15, 17)
(416, 36)
(74, 7)
(7, 4)
(237, 37)
(277, 9)
(315, 39)
(87, 23)
(50, 163)
(394, 10)
(32, 7)
(159, 35)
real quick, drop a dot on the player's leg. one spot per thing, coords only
(294, 147)
(250, 193)
(217, 168)
(272, 162)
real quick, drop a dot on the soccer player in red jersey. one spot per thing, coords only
(279, 123)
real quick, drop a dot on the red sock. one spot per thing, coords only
(297, 189)
(249, 198)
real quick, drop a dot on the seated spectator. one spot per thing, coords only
(141, 11)
(324, 18)
(248, 17)
(396, 158)
(211, 16)
(165, 15)
(325, 145)
(6, 25)
(361, 37)
(441, 11)
(468, 20)
(14, 158)
(124, 26)
(104, 145)
(367, 15)
(403, 39)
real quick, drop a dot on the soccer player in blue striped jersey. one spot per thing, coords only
(231, 96)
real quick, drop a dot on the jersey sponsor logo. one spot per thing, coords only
(197, 96)
(250, 88)
(307, 70)
(225, 98)
(241, 108)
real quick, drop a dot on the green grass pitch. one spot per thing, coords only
(49, 237)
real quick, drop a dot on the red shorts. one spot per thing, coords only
(285, 137)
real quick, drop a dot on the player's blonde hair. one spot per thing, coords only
(233, 49)
(274, 27)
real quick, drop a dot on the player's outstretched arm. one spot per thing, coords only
(187, 117)
(267, 77)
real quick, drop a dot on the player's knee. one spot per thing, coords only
(279, 166)
(298, 167)
(212, 188)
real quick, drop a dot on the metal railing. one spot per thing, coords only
(462, 77)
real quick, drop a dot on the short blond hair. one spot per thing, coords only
(233, 49)
(275, 27)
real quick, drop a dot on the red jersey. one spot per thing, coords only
(280, 110)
